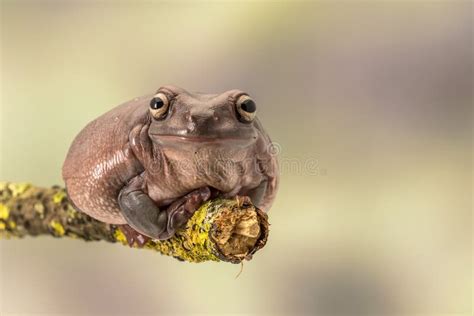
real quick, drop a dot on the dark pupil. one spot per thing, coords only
(156, 103)
(248, 106)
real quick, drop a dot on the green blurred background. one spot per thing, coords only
(370, 103)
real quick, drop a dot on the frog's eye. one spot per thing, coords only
(159, 106)
(246, 108)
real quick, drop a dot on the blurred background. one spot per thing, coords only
(370, 104)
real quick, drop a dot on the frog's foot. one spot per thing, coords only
(144, 216)
(181, 210)
(141, 212)
(133, 236)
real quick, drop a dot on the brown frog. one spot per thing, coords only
(149, 163)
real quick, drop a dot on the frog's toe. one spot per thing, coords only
(196, 198)
(181, 210)
(133, 236)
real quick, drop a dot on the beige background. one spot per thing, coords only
(370, 103)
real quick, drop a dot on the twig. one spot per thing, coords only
(221, 230)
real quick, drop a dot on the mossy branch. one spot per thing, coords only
(221, 230)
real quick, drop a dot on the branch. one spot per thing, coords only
(221, 230)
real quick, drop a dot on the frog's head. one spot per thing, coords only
(180, 118)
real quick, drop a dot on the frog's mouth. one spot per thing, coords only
(199, 139)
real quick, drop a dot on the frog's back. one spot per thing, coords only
(100, 162)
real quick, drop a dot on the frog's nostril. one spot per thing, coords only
(192, 119)
(198, 118)
(188, 117)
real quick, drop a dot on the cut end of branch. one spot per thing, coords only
(239, 231)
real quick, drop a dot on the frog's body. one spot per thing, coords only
(130, 164)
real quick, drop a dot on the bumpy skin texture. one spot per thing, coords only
(127, 167)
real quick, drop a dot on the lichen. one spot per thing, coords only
(120, 236)
(4, 211)
(191, 243)
(18, 188)
(71, 212)
(39, 208)
(58, 197)
(57, 227)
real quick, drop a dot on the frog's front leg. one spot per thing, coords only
(140, 211)
(143, 215)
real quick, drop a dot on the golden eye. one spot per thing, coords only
(159, 106)
(246, 108)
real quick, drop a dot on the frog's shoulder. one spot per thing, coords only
(104, 136)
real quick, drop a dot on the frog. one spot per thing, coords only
(148, 164)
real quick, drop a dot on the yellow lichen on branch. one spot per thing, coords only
(221, 230)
